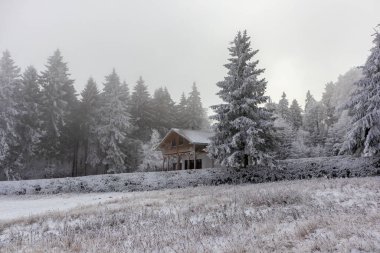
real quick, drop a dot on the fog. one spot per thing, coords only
(303, 44)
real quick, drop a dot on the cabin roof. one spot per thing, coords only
(193, 136)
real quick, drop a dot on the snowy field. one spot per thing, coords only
(318, 215)
(26, 206)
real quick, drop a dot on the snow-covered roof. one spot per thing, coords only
(193, 136)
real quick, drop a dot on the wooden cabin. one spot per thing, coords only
(184, 149)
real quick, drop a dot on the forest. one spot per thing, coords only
(49, 130)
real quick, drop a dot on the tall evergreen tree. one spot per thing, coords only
(327, 102)
(195, 113)
(164, 110)
(244, 130)
(88, 122)
(114, 124)
(141, 110)
(29, 112)
(295, 116)
(309, 101)
(364, 134)
(283, 107)
(181, 112)
(58, 105)
(10, 83)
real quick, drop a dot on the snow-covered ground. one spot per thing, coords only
(25, 206)
(318, 215)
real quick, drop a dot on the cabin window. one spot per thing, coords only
(189, 164)
(180, 140)
(174, 143)
(199, 164)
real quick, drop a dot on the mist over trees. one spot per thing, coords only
(46, 128)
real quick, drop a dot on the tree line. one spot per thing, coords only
(251, 129)
(45, 126)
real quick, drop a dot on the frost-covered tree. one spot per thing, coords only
(285, 137)
(152, 158)
(181, 112)
(364, 134)
(195, 113)
(114, 124)
(313, 121)
(283, 107)
(88, 122)
(142, 111)
(10, 83)
(270, 105)
(164, 110)
(29, 112)
(57, 106)
(295, 116)
(329, 107)
(243, 129)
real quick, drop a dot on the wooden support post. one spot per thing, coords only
(168, 162)
(178, 160)
(195, 159)
(163, 164)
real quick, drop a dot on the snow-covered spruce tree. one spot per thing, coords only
(88, 121)
(295, 116)
(114, 124)
(313, 121)
(283, 107)
(181, 112)
(29, 112)
(244, 130)
(152, 158)
(57, 106)
(141, 111)
(164, 110)
(285, 137)
(329, 107)
(10, 83)
(364, 134)
(195, 114)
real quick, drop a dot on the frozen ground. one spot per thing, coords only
(26, 206)
(318, 215)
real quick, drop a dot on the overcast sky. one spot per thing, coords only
(303, 43)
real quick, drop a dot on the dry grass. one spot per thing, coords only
(300, 216)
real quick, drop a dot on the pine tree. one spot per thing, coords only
(309, 101)
(327, 102)
(364, 133)
(195, 113)
(283, 107)
(295, 117)
(164, 110)
(88, 122)
(10, 83)
(313, 121)
(142, 111)
(29, 123)
(285, 136)
(181, 112)
(244, 130)
(58, 105)
(114, 124)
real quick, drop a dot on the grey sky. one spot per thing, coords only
(303, 43)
